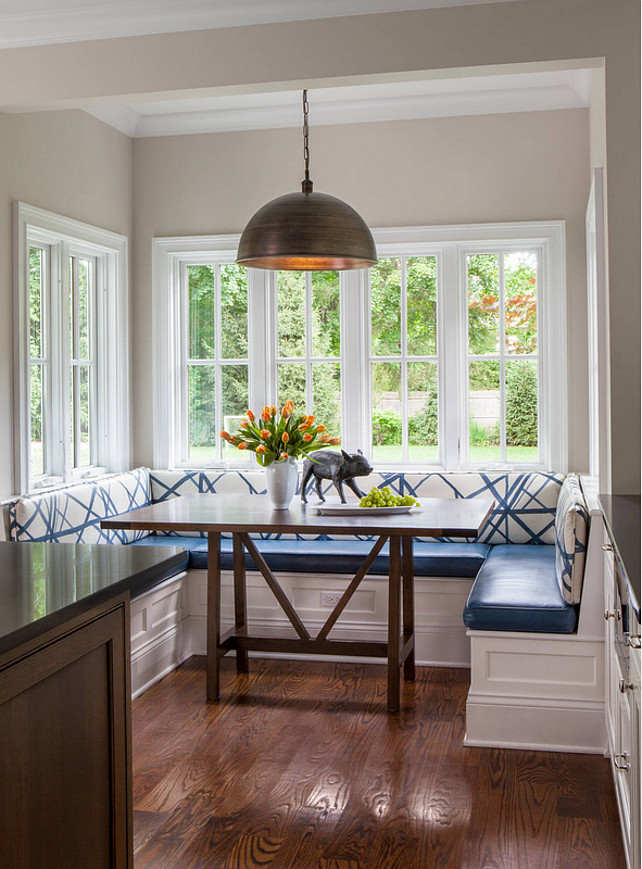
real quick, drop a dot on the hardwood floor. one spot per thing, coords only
(300, 766)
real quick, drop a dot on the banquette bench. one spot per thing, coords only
(520, 579)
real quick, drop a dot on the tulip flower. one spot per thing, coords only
(308, 437)
(265, 433)
(265, 413)
(250, 415)
(243, 423)
(320, 428)
(335, 441)
(261, 448)
(273, 410)
(285, 413)
(304, 426)
(242, 446)
(284, 455)
(225, 435)
(285, 437)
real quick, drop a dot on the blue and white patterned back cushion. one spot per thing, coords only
(73, 514)
(171, 484)
(524, 511)
(525, 503)
(571, 534)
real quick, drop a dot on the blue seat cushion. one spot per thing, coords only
(346, 556)
(517, 590)
(188, 543)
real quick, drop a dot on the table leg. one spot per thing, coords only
(408, 583)
(213, 614)
(240, 601)
(394, 618)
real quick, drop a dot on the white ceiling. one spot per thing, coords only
(40, 22)
(434, 98)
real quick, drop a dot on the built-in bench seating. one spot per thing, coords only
(516, 558)
(519, 584)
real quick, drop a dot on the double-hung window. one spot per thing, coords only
(450, 353)
(214, 357)
(307, 337)
(71, 349)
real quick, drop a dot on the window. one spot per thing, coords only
(71, 350)
(403, 360)
(214, 371)
(449, 353)
(308, 342)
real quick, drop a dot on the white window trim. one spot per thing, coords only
(444, 242)
(112, 322)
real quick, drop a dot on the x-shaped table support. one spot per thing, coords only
(399, 650)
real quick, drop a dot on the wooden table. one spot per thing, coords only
(241, 515)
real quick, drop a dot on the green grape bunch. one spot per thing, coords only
(385, 498)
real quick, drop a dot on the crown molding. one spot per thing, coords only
(26, 23)
(456, 97)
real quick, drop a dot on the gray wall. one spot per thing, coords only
(69, 163)
(486, 168)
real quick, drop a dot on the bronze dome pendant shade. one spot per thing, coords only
(306, 231)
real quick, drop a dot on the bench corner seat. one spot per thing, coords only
(517, 590)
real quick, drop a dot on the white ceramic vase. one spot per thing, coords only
(280, 481)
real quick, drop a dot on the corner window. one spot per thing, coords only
(71, 353)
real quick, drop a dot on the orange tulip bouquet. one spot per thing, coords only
(279, 434)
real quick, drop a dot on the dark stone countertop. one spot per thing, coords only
(622, 517)
(44, 584)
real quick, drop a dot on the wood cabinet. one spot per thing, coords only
(65, 751)
(623, 700)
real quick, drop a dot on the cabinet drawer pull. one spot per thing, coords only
(624, 765)
(612, 614)
(625, 686)
(607, 547)
(633, 640)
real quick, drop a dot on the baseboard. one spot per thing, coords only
(535, 724)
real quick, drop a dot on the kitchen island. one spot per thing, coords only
(65, 753)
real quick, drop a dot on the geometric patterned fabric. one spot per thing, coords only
(73, 514)
(524, 510)
(571, 535)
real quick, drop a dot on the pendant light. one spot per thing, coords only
(306, 231)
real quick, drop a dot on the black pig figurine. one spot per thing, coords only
(338, 467)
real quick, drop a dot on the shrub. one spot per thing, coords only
(521, 404)
(422, 427)
(386, 428)
(483, 437)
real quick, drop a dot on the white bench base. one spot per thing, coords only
(160, 635)
(536, 691)
(168, 623)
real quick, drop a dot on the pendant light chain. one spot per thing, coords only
(306, 184)
(306, 231)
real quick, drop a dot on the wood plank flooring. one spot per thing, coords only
(300, 767)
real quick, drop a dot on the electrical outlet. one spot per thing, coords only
(330, 598)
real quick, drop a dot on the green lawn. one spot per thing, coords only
(513, 454)
(388, 455)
